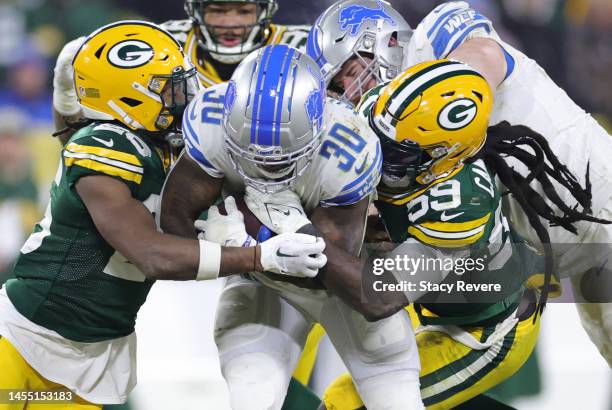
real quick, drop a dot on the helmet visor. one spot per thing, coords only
(178, 90)
(402, 163)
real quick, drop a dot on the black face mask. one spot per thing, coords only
(181, 86)
(402, 163)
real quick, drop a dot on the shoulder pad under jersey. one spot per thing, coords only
(294, 36)
(368, 100)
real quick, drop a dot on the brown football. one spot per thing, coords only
(253, 225)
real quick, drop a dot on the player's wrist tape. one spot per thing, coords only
(210, 260)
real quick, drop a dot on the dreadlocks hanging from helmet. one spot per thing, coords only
(505, 140)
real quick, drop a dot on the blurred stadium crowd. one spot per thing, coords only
(571, 39)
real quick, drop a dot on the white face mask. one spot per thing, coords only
(251, 31)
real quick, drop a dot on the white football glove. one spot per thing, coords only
(226, 230)
(293, 254)
(65, 99)
(281, 212)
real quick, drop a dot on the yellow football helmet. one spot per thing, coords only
(134, 72)
(430, 119)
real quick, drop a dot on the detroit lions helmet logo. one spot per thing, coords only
(314, 106)
(352, 17)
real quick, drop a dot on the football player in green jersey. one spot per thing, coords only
(216, 36)
(439, 202)
(220, 33)
(432, 121)
(438, 192)
(67, 319)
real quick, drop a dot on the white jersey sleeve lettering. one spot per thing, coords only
(446, 28)
(202, 130)
(450, 24)
(345, 169)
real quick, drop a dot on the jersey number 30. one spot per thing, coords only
(347, 144)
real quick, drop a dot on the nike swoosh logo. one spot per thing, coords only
(360, 169)
(282, 255)
(445, 217)
(286, 213)
(108, 143)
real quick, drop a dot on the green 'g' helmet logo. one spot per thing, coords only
(457, 114)
(130, 54)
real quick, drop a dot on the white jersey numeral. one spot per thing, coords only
(420, 205)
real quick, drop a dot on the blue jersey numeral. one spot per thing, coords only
(347, 144)
(213, 108)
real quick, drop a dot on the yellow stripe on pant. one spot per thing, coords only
(18, 375)
(303, 370)
(451, 372)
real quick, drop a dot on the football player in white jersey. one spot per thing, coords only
(217, 35)
(280, 135)
(360, 42)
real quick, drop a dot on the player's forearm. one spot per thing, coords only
(187, 192)
(177, 215)
(349, 278)
(169, 257)
(345, 274)
(484, 55)
(178, 222)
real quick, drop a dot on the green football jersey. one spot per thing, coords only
(463, 212)
(67, 277)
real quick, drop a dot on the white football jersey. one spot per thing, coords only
(344, 170)
(528, 97)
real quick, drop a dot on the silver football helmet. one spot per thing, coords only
(253, 36)
(273, 116)
(360, 28)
